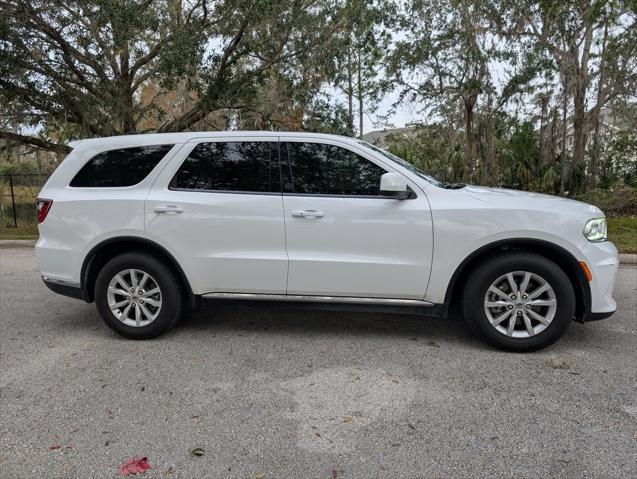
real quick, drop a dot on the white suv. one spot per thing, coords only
(147, 225)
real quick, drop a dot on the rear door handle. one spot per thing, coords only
(168, 209)
(307, 214)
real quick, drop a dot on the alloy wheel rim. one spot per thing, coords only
(134, 297)
(520, 304)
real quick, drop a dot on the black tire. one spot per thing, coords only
(173, 302)
(481, 278)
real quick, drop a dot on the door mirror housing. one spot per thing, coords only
(394, 185)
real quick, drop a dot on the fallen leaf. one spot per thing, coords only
(136, 465)
(347, 419)
(169, 471)
(395, 381)
(194, 417)
(334, 474)
(197, 451)
(55, 447)
(259, 476)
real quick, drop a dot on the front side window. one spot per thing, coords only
(122, 167)
(231, 166)
(316, 168)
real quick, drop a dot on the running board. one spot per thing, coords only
(318, 299)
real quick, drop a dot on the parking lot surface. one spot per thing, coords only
(270, 392)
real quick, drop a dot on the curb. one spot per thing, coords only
(17, 243)
(623, 258)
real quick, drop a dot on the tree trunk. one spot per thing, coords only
(350, 90)
(360, 97)
(563, 146)
(597, 111)
(542, 139)
(579, 97)
(469, 160)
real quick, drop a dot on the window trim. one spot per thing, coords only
(225, 192)
(200, 141)
(330, 195)
(166, 158)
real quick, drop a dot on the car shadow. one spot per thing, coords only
(319, 320)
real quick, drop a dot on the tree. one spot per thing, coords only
(587, 41)
(444, 59)
(363, 43)
(76, 68)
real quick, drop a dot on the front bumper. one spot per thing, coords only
(603, 261)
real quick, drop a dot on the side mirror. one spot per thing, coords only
(395, 186)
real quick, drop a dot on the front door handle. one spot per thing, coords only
(307, 214)
(168, 209)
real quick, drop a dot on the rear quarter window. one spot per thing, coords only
(122, 167)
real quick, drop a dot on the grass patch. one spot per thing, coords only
(622, 230)
(23, 231)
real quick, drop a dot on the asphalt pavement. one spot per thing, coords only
(269, 392)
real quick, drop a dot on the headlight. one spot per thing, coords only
(595, 230)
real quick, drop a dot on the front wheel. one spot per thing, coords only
(518, 301)
(139, 296)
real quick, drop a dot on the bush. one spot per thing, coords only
(18, 169)
(615, 202)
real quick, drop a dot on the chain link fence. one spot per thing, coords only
(17, 199)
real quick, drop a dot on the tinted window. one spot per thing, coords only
(329, 170)
(231, 166)
(123, 167)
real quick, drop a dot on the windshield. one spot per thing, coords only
(403, 163)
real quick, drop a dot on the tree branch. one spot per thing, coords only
(40, 143)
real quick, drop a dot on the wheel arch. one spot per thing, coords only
(562, 257)
(101, 253)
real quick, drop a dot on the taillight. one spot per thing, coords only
(43, 208)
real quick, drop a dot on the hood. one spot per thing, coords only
(530, 200)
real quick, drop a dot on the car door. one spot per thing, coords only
(218, 209)
(343, 238)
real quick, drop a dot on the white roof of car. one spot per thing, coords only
(124, 141)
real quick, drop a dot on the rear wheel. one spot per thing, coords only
(518, 301)
(139, 296)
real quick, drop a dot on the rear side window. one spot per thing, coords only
(123, 167)
(316, 168)
(231, 166)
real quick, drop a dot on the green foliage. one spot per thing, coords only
(324, 117)
(22, 168)
(433, 149)
(616, 202)
(512, 91)
(619, 163)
